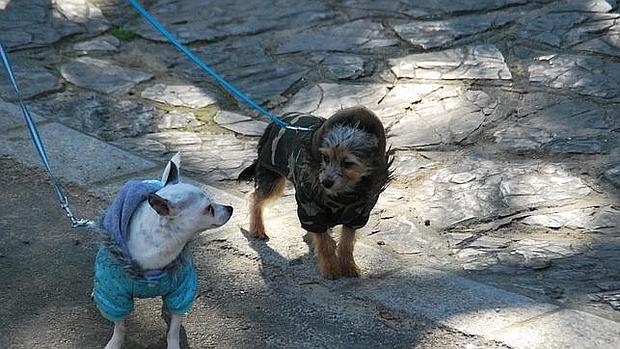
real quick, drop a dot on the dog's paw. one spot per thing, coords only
(257, 231)
(331, 274)
(330, 270)
(254, 234)
(350, 270)
(113, 345)
(259, 235)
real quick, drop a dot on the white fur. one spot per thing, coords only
(116, 342)
(156, 240)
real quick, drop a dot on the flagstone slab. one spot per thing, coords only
(73, 155)
(192, 21)
(471, 62)
(102, 75)
(441, 33)
(583, 75)
(39, 23)
(32, 81)
(180, 95)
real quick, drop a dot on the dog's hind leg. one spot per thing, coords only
(269, 186)
(325, 249)
(345, 253)
(118, 338)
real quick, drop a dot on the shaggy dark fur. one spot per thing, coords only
(338, 170)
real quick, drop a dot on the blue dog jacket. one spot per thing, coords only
(115, 287)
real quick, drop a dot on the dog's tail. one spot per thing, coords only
(248, 174)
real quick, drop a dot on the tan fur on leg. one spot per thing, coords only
(345, 253)
(325, 249)
(257, 206)
(257, 228)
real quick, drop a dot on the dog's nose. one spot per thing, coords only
(327, 183)
(229, 209)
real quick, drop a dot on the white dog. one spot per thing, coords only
(146, 230)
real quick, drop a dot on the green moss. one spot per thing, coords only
(204, 115)
(123, 34)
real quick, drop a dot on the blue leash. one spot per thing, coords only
(233, 90)
(36, 139)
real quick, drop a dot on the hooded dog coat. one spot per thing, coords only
(118, 279)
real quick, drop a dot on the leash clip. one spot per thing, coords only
(38, 144)
(76, 222)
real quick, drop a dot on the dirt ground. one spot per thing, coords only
(46, 278)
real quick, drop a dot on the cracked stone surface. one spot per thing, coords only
(25, 24)
(585, 76)
(180, 95)
(606, 220)
(498, 189)
(106, 43)
(573, 219)
(99, 115)
(425, 9)
(450, 120)
(436, 34)
(360, 35)
(216, 157)
(178, 120)
(192, 21)
(246, 64)
(548, 186)
(588, 26)
(471, 62)
(33, 81)
(613, 175)
(562, 126)
(488, 252)
(101, 75)
(241, 124)
(344, 66)
(405, 238)
(326, 99)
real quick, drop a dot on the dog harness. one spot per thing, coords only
(287, 153)
(117, 282)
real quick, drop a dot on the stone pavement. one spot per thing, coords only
(503, 116)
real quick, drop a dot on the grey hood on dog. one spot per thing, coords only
(116, 219)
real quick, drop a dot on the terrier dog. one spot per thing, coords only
(338, 170)
(145, 252)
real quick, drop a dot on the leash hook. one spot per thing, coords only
(38, 144)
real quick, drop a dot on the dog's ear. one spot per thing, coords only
(171, 172)
(160, 205)
(374, 143)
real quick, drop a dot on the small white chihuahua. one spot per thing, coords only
(146, 230)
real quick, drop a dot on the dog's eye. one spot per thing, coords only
(210, 210)
(348, 164)
(324, 158)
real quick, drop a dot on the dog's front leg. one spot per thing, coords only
(345, 253)
(174, 329)
(118, 338)
(325, 249)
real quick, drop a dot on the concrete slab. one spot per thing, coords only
(74, 156)
(564, 329)
(12, 117)
(463, 304)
